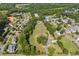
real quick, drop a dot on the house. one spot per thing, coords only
(12, 31)
(76, 39)
(51, 18)
(64, 20)
(57, 33)
(14, 40)
(6, 28)
(46, 18)
(67, 31)
(11, 19)
(36, 15)
(71, 20)
(12, 48)
(1, 48)
(54, 41)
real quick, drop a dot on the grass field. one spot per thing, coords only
(40, 29)
(71, 47)
(58, 50)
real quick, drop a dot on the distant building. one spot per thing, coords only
(46, 18)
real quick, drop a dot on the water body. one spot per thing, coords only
(2, 26)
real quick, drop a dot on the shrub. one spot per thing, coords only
(51, 51)
(65, 51)
(60, 44)
(1, 39)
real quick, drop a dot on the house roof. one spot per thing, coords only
(11, 18)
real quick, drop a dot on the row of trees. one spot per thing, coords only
(50, 28)
(24, 47)
(51, 50)
(6, 6)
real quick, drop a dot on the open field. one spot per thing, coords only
(57, 51)
(69, 45)
(40, 29)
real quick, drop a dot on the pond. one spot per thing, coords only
(2, 25)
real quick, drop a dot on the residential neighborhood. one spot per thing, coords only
(39, 29)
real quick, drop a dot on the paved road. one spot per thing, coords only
(48, 43)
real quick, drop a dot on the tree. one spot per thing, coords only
(22, 44)
(50, 28)
(50, 50)
(65, 51)
(60, 44)
(33, 50)
(42, 40)
(1, 39)
(77, 53)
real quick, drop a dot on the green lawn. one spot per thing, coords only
(57, 50)
(69, 45)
